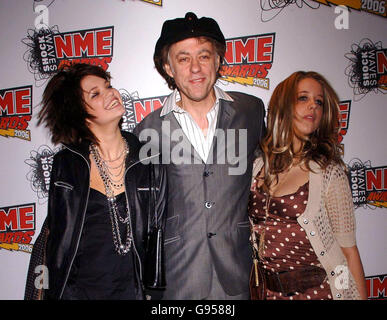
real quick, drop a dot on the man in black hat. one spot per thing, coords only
(208, 138)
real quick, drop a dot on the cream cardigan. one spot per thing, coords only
(329, 223)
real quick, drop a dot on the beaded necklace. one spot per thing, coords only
(110, 183)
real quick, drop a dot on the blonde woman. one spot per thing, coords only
(300, 207)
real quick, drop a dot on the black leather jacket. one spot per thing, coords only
(68, 198)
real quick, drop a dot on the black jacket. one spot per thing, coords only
(58, 242)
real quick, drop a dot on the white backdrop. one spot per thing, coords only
(307, 37)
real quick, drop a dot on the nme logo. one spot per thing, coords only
(345, 109)
(143, 107)
(137, 109)
(377, 287)
(17, 226)
(15, 112)
(376, 179)
(381, 63)
(93, 46)
(368, 185)
(50, 50)
(248, 60)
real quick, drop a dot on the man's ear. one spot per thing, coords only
(168, 69)
(217, 63)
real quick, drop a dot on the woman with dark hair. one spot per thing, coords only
(300, 207)
(105, 205)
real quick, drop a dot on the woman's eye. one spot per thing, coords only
(302, 98)
(320, 102)
(94, 94)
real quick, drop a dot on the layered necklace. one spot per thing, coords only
(114, 181)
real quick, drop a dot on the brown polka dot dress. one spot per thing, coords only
(286, 244)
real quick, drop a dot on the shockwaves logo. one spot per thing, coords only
(377, 7)
(16, 112)
(137, 109)
(368, 184)
(17, 227)
(40, 163)
(367, 70)
(49, 50)
(248, 59)
(377, 287)
(345, 110)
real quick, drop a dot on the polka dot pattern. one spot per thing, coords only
(289, 248)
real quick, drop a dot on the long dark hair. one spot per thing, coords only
(63, 109)
(322, 146)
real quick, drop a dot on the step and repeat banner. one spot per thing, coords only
(267, 40)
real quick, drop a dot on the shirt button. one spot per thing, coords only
(306, 221)
(208, 204)
(210, 235)
(312, 233)
(338, 295)
(332, 273)
(322, 253)
(206, 173)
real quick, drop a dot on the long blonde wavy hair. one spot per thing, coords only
(322, 146)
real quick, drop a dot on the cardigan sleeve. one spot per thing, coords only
(339, 206)
(257, 165)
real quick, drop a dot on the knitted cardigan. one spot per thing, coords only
(329, 223)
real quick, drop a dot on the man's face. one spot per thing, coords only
(193, 64)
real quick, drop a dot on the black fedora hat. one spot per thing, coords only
(188, 27)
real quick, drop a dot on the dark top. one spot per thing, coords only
(98, 272)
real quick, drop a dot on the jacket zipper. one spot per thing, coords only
(131, 228)
(130, 219)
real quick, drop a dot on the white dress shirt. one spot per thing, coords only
(200, 142)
